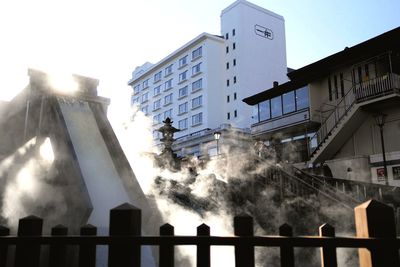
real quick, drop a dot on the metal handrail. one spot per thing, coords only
(358, 93)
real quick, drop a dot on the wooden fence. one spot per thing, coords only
(376, 240)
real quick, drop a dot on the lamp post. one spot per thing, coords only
(380, 120)
(217, 135)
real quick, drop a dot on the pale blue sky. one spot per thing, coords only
(107, 39)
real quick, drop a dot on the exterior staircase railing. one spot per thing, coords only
(361, 92)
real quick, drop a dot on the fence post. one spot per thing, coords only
(203, 251)
(376, 220)
(167, 255)
(287, 253)
(328, 253)
(57, 257)
(4, 231)
(28, 254)
(87, 252)
(125, 220)
(244, 253)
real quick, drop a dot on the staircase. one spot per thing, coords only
(347, 116)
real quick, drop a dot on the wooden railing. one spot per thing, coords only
(376, 240)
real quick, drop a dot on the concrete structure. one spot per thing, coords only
(339, 96)
(63, 162)
(199, 86)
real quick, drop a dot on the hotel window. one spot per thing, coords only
(302, 98)
(228, 116)
(197, 119)
(234, 46)
(183, 108)
(135, 100)
(157, 119)
(196, 69)
(183, 91)
(168, 99)
(235, 113)
(233, 32)
(227, 49)
(145, 110)
(183, 76)
(226, 36)
(168, 70)
(234, 62)
(197, 53)
(227, 98)
(227, 65)
(197, 102)
(197, 85)
(182, 61)
(136, 89)
(157, 90)
(168, 85)
(157, 104)
(157, 76)
(227, 82)
(341, 85)
(264, 110)
(234, 96)
(145, 97)
(183, 124)
(234, 79)
(276, 107)
(289, 104)
(168, 114)
(145, 83)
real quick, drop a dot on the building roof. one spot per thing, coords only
(389, 41)
(192, 42)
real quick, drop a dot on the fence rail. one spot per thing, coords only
(376, 240)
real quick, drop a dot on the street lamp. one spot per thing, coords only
(380, 120)
(217, 135)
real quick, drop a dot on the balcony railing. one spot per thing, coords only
(359, 93)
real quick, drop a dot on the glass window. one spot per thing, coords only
(183, 76)
(157, 90)
(226, 36)
(183, 91)
(197, 119)
(145, 97)
(264, 111)
(135, 100)
(183, 124)
(197, 85)
(168, 99)
(228, 116)
(288, 101)
(157, 104)
(157, 118)
(227, 65)
(168, 114)
(183, 61)
(157, 76)
(145, 83)
(197, 101)
(196, 69)
(255, 114)
(145, 110)
(276, 107)
(302, 98)
(168, 85)
(234, 46)
(233, 32)
(234, 62)
(136, 89)
(183, 108)
(227, 49)
(234, 96)
(235, 113)
(168, 70)
(197, 53)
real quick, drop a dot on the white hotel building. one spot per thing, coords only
(201, 85)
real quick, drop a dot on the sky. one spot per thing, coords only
(106, 40)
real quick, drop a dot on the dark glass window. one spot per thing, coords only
(276, 107)
(302, 98)
(264, 110)
(289, 104)
(255, 114)
(330, 88)
(341, 84)
(336, 86)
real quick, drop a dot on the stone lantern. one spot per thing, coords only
(168, 158)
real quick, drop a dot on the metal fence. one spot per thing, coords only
(375, 226)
